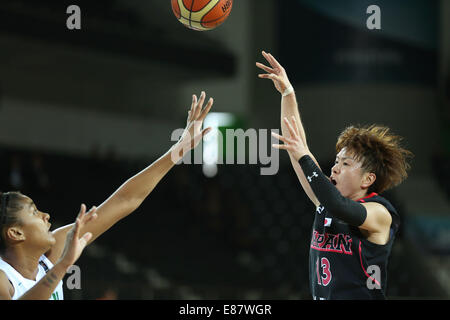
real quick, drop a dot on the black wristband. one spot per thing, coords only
(338, 206)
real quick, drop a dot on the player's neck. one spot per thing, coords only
(25, 263)
(358, 195)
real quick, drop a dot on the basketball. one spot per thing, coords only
(202, 15)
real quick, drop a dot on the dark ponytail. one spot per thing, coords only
(10, 203)
(3, 206)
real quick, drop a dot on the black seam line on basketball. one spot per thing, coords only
(200, 22)
(209, 21)
(190, 12)
(205, 6)
(179, 12)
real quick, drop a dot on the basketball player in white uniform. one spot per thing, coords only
(34, 260)
(20, 284)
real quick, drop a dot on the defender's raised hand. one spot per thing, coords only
(193, 132)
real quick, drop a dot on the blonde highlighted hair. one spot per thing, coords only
(379, 152)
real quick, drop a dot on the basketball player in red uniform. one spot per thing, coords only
(354, 227)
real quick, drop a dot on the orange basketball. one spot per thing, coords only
(202, 15)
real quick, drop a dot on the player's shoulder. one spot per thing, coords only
(6, 288)
(380, 200)
(377, 208)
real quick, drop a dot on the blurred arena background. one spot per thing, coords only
(81, 111)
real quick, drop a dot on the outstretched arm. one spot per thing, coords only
(289, 109)
(129, 196)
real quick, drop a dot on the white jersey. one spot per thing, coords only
(22, 285)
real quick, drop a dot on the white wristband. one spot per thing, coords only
(288, 91)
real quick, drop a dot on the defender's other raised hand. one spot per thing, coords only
(74, 243)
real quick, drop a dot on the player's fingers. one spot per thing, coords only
(290, 128)
(199, 106)
(92, 214)
(294, 125)
(91, 210)
(265, 68)
(193, 104)
(193, 108)
(267, 57)
(277, 136)
(87, 214)
(281, 146)
(206, 109)
(281, 138)
(91, 218)
(85, 239)
(76, 229)
(270, 76)
(274, 61)
(82, 211)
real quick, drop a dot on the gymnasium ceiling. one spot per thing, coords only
(140, 30)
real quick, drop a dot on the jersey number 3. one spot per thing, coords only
(323, 271)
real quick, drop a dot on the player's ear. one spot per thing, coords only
(368, 179)
(15, 233)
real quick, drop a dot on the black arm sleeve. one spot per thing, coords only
(342, 208)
